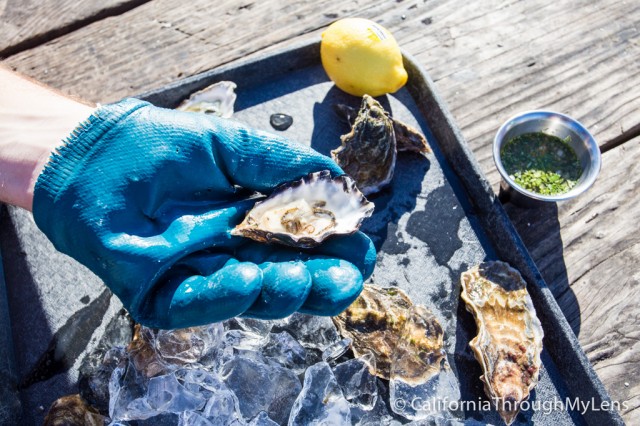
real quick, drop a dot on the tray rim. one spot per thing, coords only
(562, 345)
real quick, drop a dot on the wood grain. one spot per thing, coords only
(490, 60)
(588, 251)
(28, 23)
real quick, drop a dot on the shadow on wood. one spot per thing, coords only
(539, 227)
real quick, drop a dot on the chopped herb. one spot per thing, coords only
(541, 163)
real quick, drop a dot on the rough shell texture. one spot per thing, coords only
(407, 137)
(509, 339)
(368, 151)
(72, 410)
(419, 353)
(385, 322)
(303, 213)
(217, 99)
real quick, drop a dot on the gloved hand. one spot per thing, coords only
(146, 197)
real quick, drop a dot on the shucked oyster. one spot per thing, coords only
(509, 339)
(217, 99)
(305, 212)
(368, 152)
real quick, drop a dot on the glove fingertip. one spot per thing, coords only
(335, 285)
(285, 288)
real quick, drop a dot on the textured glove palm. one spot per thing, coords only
(145, 197)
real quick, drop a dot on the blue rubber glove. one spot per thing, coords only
(146, 197)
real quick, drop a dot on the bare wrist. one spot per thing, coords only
(34, 121)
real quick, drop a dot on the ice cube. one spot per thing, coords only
(262, 419)
(357, 383)
(222, 407)
(252, 325)
(261, 387)
(125, 385)
(192, 418)
(336, 350)
(321, 401)
(243, 340)
(188, 345)
(167, 394)
(310, 331)
(283, 349)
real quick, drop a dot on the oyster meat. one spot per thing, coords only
(509, 339)
(368, 151)
(305, 212)
(217, 99)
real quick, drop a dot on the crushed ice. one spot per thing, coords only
(248, 372)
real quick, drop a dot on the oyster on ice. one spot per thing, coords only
(368, 151)
(509, 339)
(303, 213)
(216, 99)
(379, 320)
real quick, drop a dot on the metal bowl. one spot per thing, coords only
(555, 124)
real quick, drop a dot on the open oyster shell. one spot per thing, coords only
(509, 339)
(368, 151)
(217, 99)
(305, 212)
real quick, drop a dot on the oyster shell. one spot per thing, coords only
(509, 339)
(407, 137)
(405, 339)
(72, 410)
(374, 322)
(368, 151)
(420, 368)
(217, 99)
(305, 212)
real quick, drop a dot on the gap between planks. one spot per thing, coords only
(25, 42)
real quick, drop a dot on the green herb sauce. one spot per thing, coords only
(541, 163)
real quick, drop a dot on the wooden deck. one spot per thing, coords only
(489, 60)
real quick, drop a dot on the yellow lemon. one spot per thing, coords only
(362, 57)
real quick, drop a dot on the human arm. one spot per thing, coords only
(146, 197)
(34, 120)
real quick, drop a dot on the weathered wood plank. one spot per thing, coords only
(588, 251)
(160, 42)
(489, 60)
(27, 23)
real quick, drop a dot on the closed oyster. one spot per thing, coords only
(305, 212)
(406, 339)
(420, 369)
(217, 99)
(407, 137)
(72, 410)
(374, 322)
(509, 339)
(368, 151)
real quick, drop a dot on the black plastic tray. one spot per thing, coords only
(438, 218)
